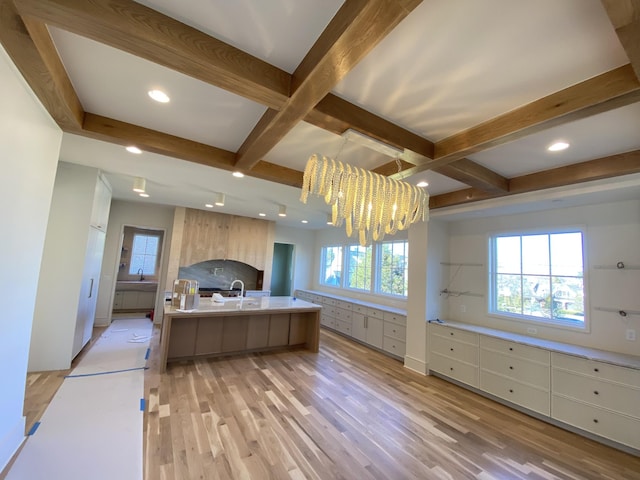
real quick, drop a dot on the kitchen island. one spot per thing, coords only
(238, 325)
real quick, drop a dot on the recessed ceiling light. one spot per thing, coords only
(304, 221)
(208, 205)
(262, 214)
(139, 184)
(159, 96)
(422, 184)
(238, 174)
(145, 195)
(220, 199)
(282, 211)
(133, 149)
(558, 146)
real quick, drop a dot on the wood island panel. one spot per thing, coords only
(281, 322)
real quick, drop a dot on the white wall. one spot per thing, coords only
(303, 252)
(139, 214)
(612, 235)
(29, 146)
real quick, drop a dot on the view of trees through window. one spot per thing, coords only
(539, 276)
(378, 268)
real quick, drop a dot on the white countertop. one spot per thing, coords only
(620, 359)
(243, 304)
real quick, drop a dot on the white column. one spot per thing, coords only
(415, 357)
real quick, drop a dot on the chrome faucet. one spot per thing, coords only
(141, 273)
(241, 287)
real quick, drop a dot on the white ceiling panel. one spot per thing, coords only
(466, 61)
(280, 32)
(197, 111)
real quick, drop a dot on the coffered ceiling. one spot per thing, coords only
(472, 92)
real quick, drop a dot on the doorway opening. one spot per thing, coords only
(282, 270)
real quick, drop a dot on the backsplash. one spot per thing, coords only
(220, 274)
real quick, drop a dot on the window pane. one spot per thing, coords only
(535, 255)
(568, 298)
(566, 254)
(536, 296)
(508, 254)
(509, 293)
(144, 254)
(394, 264)
(332, 266)
(359, 267)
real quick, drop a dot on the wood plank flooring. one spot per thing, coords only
(347, 412)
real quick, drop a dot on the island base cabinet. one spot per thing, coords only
(258, 332)
(209, 336)
(234, 333)
(183, 338)
(278, 330)
(298, 329)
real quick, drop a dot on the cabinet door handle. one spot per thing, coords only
(595, 392)
(511, 349)
(511, 390)
(451, 349)
(595, 420)
(510, 367)
(91, 288)
(596, 370)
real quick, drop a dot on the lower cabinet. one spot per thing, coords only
(600, 398)
(194, 336)
(593, 396)
(375, 327)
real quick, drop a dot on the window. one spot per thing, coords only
(359, 267)
(394, 268)
(538, 277)
(331, 271)
(144, 254)
(381, 268)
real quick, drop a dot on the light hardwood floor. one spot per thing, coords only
(348, 413)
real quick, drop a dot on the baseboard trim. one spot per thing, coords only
(416, 365)
(11, 443)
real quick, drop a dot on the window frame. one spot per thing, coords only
(156, 255)
(368, 269)
(376, 253)
(531, 320)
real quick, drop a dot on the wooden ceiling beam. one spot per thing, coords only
(144, 32)
(353, 32)
(606, 167)
(122, 133)
(35, 56)
(613, 89)
(625, 18)
(475, 175)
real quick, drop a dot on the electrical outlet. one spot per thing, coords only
(630, 335)
(532, 331)
(463, 308)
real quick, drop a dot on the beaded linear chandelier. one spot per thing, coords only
(371, 204)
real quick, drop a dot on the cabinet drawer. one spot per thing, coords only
(516, 349)
(344, 305)
(375, 313)
(359, 309)
(394, 346)
(327, 320)
(524, 395)
(463, 372)
(613, 396)
(342, 314)
(620, 428)
(454, 349)
(342, 326)
(395, 318)
(596, 369)
(328, 301)
(460, 335)
(524, 371)
(395, 331)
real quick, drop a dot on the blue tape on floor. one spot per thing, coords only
(34, 428)
(142, 404)
(106, 373)
(146, 357)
